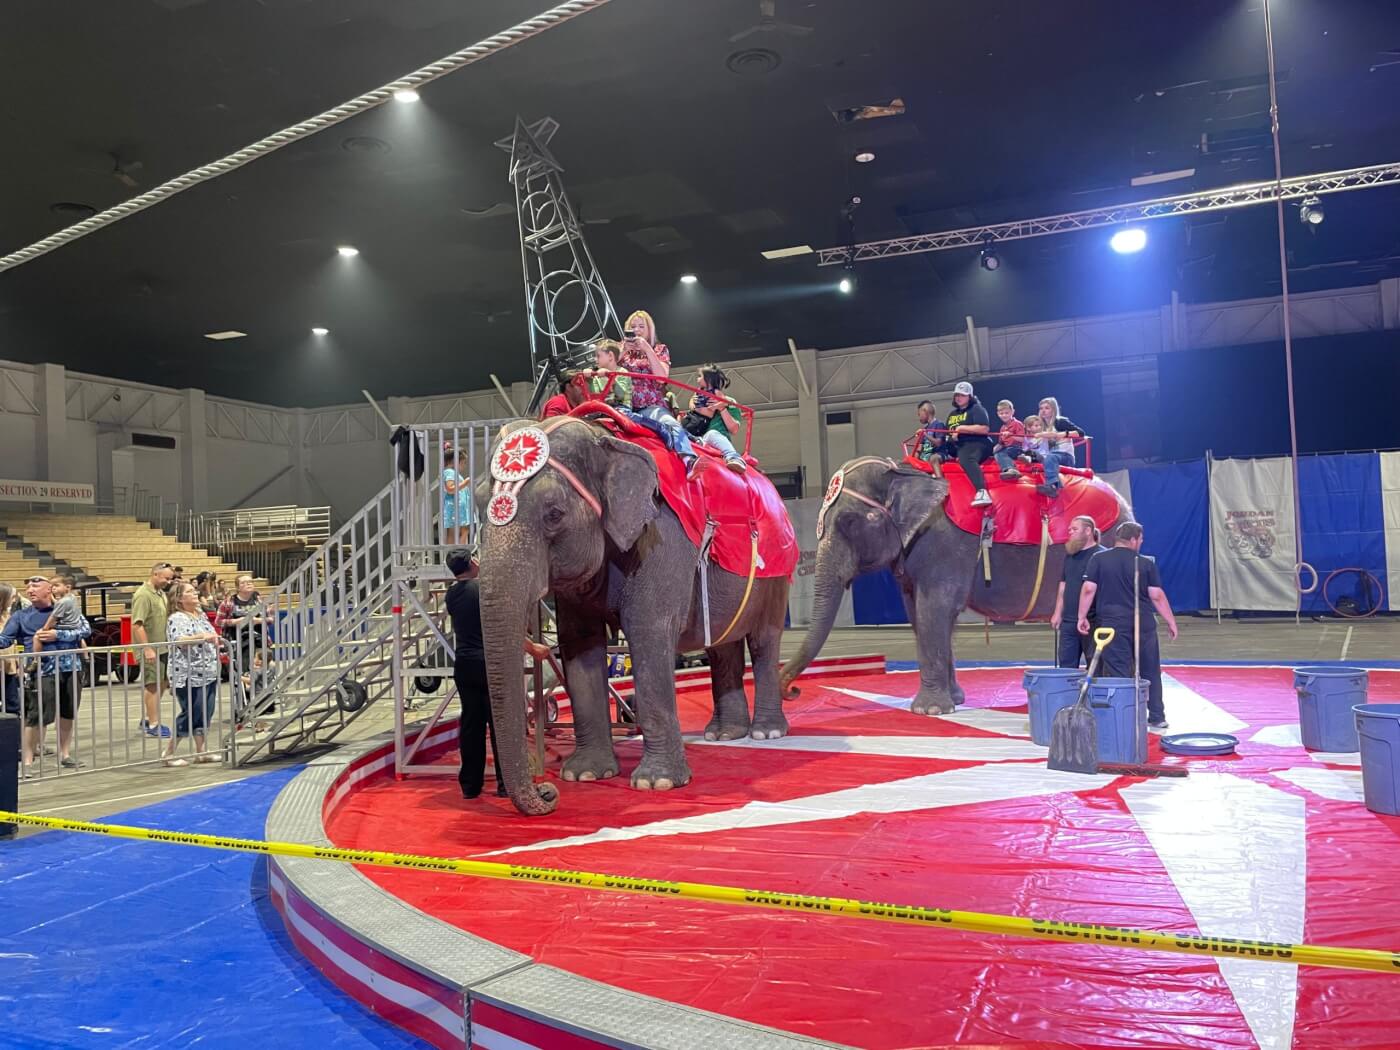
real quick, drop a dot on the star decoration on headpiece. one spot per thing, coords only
(521, 455)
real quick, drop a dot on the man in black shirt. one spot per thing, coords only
(469, 672)
(1108, 586)
(1082, 545)
(969, 428)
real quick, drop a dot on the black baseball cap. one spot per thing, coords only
(460, 560)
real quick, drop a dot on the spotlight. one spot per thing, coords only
(347, 252)
(989, 258)
(320, 331)
(406, 96)
(1311, 212)
(847, 285)
(688, 278)
(865, 156)
(1126, 242)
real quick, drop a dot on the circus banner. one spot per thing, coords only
(1253, 535)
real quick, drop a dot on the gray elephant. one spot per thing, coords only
(584, 521)
(887, 516)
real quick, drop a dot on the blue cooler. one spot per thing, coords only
(1378, 730)
(1326, 696)
(1048, 689)
(1121, 719)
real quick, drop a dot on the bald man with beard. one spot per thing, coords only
(1083, 544)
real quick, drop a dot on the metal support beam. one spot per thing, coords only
(1095, 218)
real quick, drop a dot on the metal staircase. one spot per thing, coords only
(361, 617)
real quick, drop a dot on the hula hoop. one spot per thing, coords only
(1298, 577)
(1380, 593)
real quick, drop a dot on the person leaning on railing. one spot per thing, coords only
(58, 683)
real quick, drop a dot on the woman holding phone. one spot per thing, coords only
(642, 354)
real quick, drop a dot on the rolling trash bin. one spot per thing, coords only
(1326, 696)
(1048, 689)
(1378, 731)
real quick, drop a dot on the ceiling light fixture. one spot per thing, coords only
(847, 286)
(988, 257)
(1126, 242)
(689, 278)
(406, 96)
(787, 253)
(347, 252)
(220, 336)
(320, 331)
(865, 156)
(1311, 212)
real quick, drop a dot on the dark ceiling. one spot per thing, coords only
(676, 162)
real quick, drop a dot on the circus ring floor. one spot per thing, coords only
(865, 799)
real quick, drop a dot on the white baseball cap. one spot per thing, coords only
(963, 388)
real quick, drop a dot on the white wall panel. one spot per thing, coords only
(776, 443)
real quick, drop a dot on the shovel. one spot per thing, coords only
(1074, 738)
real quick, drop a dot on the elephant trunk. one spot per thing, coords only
(834, 572)
(511, 582)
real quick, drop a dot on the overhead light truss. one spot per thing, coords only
(1242, 196)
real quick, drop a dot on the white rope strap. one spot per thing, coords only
(369, 100)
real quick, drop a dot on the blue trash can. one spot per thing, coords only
(1121, 719)
(1047, 690)
(1378, 730)
(1326, 696)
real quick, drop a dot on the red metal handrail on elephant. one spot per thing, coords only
(912, 442)
(744, 410)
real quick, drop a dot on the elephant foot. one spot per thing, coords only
(719, 730)
(769, 727)
(927, 703)
(592, 764)
(959, 697)
(657, 774)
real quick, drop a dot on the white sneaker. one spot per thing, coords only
(982, 499)
(736, 464)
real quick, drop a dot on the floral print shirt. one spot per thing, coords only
(196, 663)
(645, 392)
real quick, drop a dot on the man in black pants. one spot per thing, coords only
(1108, 585)
(469, 672)
(1083, 544)
(969, 428)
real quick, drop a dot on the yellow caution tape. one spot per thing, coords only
(946, 918)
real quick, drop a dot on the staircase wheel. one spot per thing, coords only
(351, 696)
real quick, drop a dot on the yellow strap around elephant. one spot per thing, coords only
(1040, 566)
(748, 589)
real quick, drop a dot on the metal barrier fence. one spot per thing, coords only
(110, 707)
(308, 526)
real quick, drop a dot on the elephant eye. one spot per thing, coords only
(554, 515)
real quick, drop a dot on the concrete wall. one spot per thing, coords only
(61, 426)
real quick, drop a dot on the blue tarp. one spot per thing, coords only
(876, 599)
(1343, 526)
(116, 943)
(1172, 501)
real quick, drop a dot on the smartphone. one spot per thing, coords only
(629, 334)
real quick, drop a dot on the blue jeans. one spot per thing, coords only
(720, 443)
(1005, 457)
(1052, 462)
(657, 418)
(196, 708)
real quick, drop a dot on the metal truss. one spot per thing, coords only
(1164, 207)
(567, 305)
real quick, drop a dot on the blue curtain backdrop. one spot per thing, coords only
(1343, 525)
(1172, 501)
(876, 599)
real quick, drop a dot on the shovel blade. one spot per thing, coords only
(1074, 740)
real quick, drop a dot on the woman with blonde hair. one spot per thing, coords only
(641, 353)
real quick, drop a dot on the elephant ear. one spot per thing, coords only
(913, 498)
(629, 491)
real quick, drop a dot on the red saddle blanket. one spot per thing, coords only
(1017, 508)
(738, 504)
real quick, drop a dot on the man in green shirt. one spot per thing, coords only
(605, 353)
(148, 611)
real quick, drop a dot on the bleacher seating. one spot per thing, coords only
(16, 567)
(110, 547)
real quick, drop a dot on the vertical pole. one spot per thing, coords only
(1210, 539)
(1287, 323)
